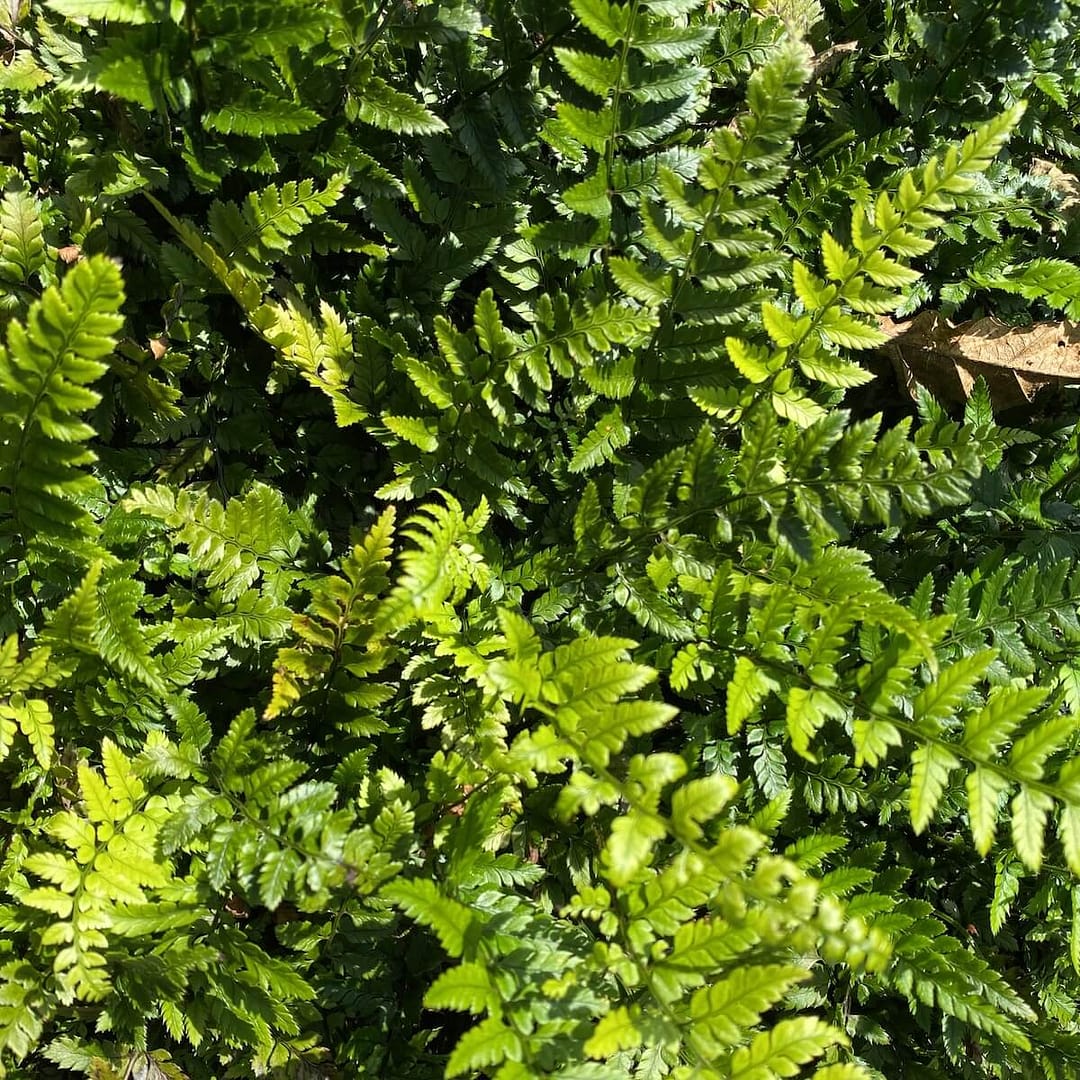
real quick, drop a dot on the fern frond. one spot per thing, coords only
(120, 11)
(232, 543)
(22, 246)
(239, 29)
(119, 635)
(336, 651)
(443, 564)
(1055, 281)
(45, 374)
(262, 230)
(382, 106)
(706, 235)
(259, 113)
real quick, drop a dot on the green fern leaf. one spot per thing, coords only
(748, 687)
(262, 30)
(673, 42)
(723, 1011)
(611, 23)
(985, 788)
(610, 434)
(783, 1050)
(489, 1043)
(258, 113)
(264, 228)
(279, 868)
(432, 384)
(8, 730)
(1029, 754)
(1029, 812)
(940, 699)
(1069, 834)
(123, 68)
(234, 543)
(125, 787)
(699, 801)
(22, 246)
(645, 284)
(1008, 873)
(630, 845)
(646, 504)
(384, 107)
(96, 797)
(597, 74)
(45, 373)
(422, 901)
(590, 196)
(73, 623)
(119, 11)
(931, 764)
(23, 74)
(466, 988)
(36, 723)
(807, 712)
(421, 433)
(617, 1030)
(119, 635)
(846, 1071)
(993, 725)
(1054, 280)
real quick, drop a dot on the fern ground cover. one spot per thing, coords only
(469, 610)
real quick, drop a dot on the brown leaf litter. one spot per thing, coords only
(1016, 362)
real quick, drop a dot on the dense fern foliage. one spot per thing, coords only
(470, 609)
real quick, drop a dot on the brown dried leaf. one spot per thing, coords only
(1016, 362)
(100, 1069)
(158, 347)
(824, 61)
(154, 1066)
(1066, 184)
